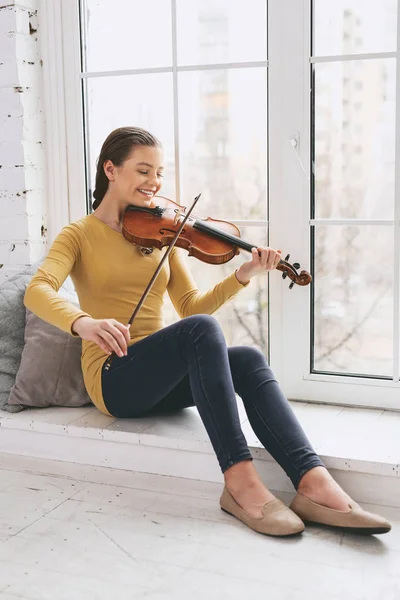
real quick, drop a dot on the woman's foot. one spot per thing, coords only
(354, 519)
(244, 484)
(321, 500)
(277, 520)
(320, 487)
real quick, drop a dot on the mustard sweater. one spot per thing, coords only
(110, 275)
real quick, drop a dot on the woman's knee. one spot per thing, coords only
(203, 322)
(201, 329)
(243, 356)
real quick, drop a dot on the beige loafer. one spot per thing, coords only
(278, 519)
(355, 519)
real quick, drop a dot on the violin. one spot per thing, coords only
(210, 240)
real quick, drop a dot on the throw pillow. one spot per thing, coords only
(50, 370)
(12, 325)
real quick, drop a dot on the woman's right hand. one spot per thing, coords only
(109, 334)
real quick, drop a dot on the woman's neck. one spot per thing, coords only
(110, 213)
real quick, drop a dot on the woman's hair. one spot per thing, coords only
(117, 147)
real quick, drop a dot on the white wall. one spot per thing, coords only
(23, 218)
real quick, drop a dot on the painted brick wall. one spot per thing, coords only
(22, 154)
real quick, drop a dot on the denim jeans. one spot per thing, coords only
(188, 364)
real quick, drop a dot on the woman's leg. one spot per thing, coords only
(278, 429)
(242, 479)
(160, 368)
(276, 426)
(193, 347)
(270, 414)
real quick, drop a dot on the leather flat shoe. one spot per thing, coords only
(278, 519)
(355, 519)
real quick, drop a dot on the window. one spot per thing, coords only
(353, 309)
(339, 199)
(301, 151)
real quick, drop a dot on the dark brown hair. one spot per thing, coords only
(117, 147)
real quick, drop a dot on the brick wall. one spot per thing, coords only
(23, 219)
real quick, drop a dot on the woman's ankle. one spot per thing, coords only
(245, 485)
(317, 477)
(242, 473)
(323, 489)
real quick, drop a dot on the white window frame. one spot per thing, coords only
(60, 50)
(289, 73)
(289, 222)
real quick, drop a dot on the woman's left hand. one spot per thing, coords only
(262, 260)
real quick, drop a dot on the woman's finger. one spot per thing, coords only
(255, 256)
(102, 344)
(277, 258)
(264, 253)
(117, 335)
(273, 260)
(112, 342)
(124, 329)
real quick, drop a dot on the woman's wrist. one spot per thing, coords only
(76, 324)
(241, 278)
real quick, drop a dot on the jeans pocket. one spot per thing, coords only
(118, 363)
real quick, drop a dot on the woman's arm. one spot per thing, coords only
(41, 295)
(185, 295)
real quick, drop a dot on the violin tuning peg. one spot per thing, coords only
(287, 257)
(291, 285)
(284, 275)
(296, 265)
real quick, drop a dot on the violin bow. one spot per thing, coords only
(109, 360)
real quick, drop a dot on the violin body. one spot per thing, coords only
(210, 240)
(146, 229)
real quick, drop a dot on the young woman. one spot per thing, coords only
(187, 363)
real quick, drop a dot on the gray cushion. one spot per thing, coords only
(12, 325)
(50, 372)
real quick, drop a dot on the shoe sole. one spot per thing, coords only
(359, 530)
(262, 532)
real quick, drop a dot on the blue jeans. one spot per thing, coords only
(188, 364)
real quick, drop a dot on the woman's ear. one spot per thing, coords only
(109, 169)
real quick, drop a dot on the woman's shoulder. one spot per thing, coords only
(77, 228)
(72, 235)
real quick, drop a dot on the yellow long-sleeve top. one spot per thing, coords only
(110, 275)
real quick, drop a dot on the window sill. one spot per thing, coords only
(360, 446)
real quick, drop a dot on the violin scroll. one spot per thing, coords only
(289, 270)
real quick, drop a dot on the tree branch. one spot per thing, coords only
(356, 328)
(243, 324)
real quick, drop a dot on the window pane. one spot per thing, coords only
(127, 34)
(223, 141)
(244, 319)
(354, 26)
(220, 31)
(353, 311)
(132, 100)
(355, 139)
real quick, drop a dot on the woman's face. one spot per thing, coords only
(139, 178)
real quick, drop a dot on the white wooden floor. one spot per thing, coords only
(77, 532)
